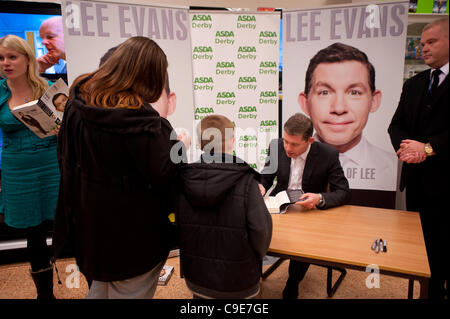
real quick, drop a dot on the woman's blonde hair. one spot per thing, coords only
(134, 74)
(15, 43)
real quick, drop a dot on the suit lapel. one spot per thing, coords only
(310, 162)
(421, 88)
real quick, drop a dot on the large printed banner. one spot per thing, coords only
(235, 64)
(350, 107)
(91, 28)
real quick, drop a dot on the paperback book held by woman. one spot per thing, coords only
(44, 115)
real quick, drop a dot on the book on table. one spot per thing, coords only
(44, 115)
(279, 203)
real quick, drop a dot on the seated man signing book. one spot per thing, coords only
(225, 228)
(298, 162)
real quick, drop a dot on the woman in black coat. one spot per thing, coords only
(114, 155)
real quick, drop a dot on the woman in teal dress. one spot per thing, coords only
(30, 174)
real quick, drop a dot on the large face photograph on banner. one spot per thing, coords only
(343, 68)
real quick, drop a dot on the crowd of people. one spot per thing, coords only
(110, 169)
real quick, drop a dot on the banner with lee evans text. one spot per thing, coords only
(345, 112)
(235, 64)
(91, 28)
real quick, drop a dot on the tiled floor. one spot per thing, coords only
(16, 283)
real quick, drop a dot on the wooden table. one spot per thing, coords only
(343, 236)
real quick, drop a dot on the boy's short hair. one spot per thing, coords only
(214, 131)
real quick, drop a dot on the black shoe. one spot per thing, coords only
(43, 280)
(290, 292)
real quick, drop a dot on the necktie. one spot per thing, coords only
(434, 80)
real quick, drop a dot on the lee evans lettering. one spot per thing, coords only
(346, 23)
(246, 22)
(93, 20)
(201, 21)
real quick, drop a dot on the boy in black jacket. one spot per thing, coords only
(225, 227)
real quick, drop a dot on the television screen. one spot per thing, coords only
(24, 20)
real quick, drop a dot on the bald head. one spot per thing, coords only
(441, 23)
(52, 35)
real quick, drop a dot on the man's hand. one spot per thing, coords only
(262, 190)
(308, 200)
(412, 152)
(46, 61)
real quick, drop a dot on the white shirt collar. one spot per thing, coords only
(444, 70)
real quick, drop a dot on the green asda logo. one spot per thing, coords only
(203, 49)
(224, 34)
(247, 109)
(246, 18)
(201, 17)
(248, 138)
(267, 34)
(268, 94)
(247, 49)
(225, 95)
(268, 64)
(225, 64)
(203, 80)
(204, 110)
(268, 123)
(247, 79)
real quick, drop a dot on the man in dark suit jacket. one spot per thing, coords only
(300, 163)
(419, 132)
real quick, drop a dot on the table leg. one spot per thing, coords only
(411, 289)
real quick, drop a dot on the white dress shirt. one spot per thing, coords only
(443, 75)
(297, 168)
(367, 166)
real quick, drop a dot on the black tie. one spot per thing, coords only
(434, 80)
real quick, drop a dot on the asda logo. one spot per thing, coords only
(203, 49)
(225, 95)
(264, 151)
(203, 80)
(268, 94)
(224, 34)
(204, 110)
(253, 165)
(267, 34)
(247, 49)
(201, 17)
(268, 64)
(268, 123)
(248, 138)
(225, 64)
(246, 18)
(247, 109)
(247, 79)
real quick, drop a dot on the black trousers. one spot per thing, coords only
(434, 218)
(297, 271)
(39, 253)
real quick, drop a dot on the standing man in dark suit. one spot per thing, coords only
(300, 163)
(419, 133)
